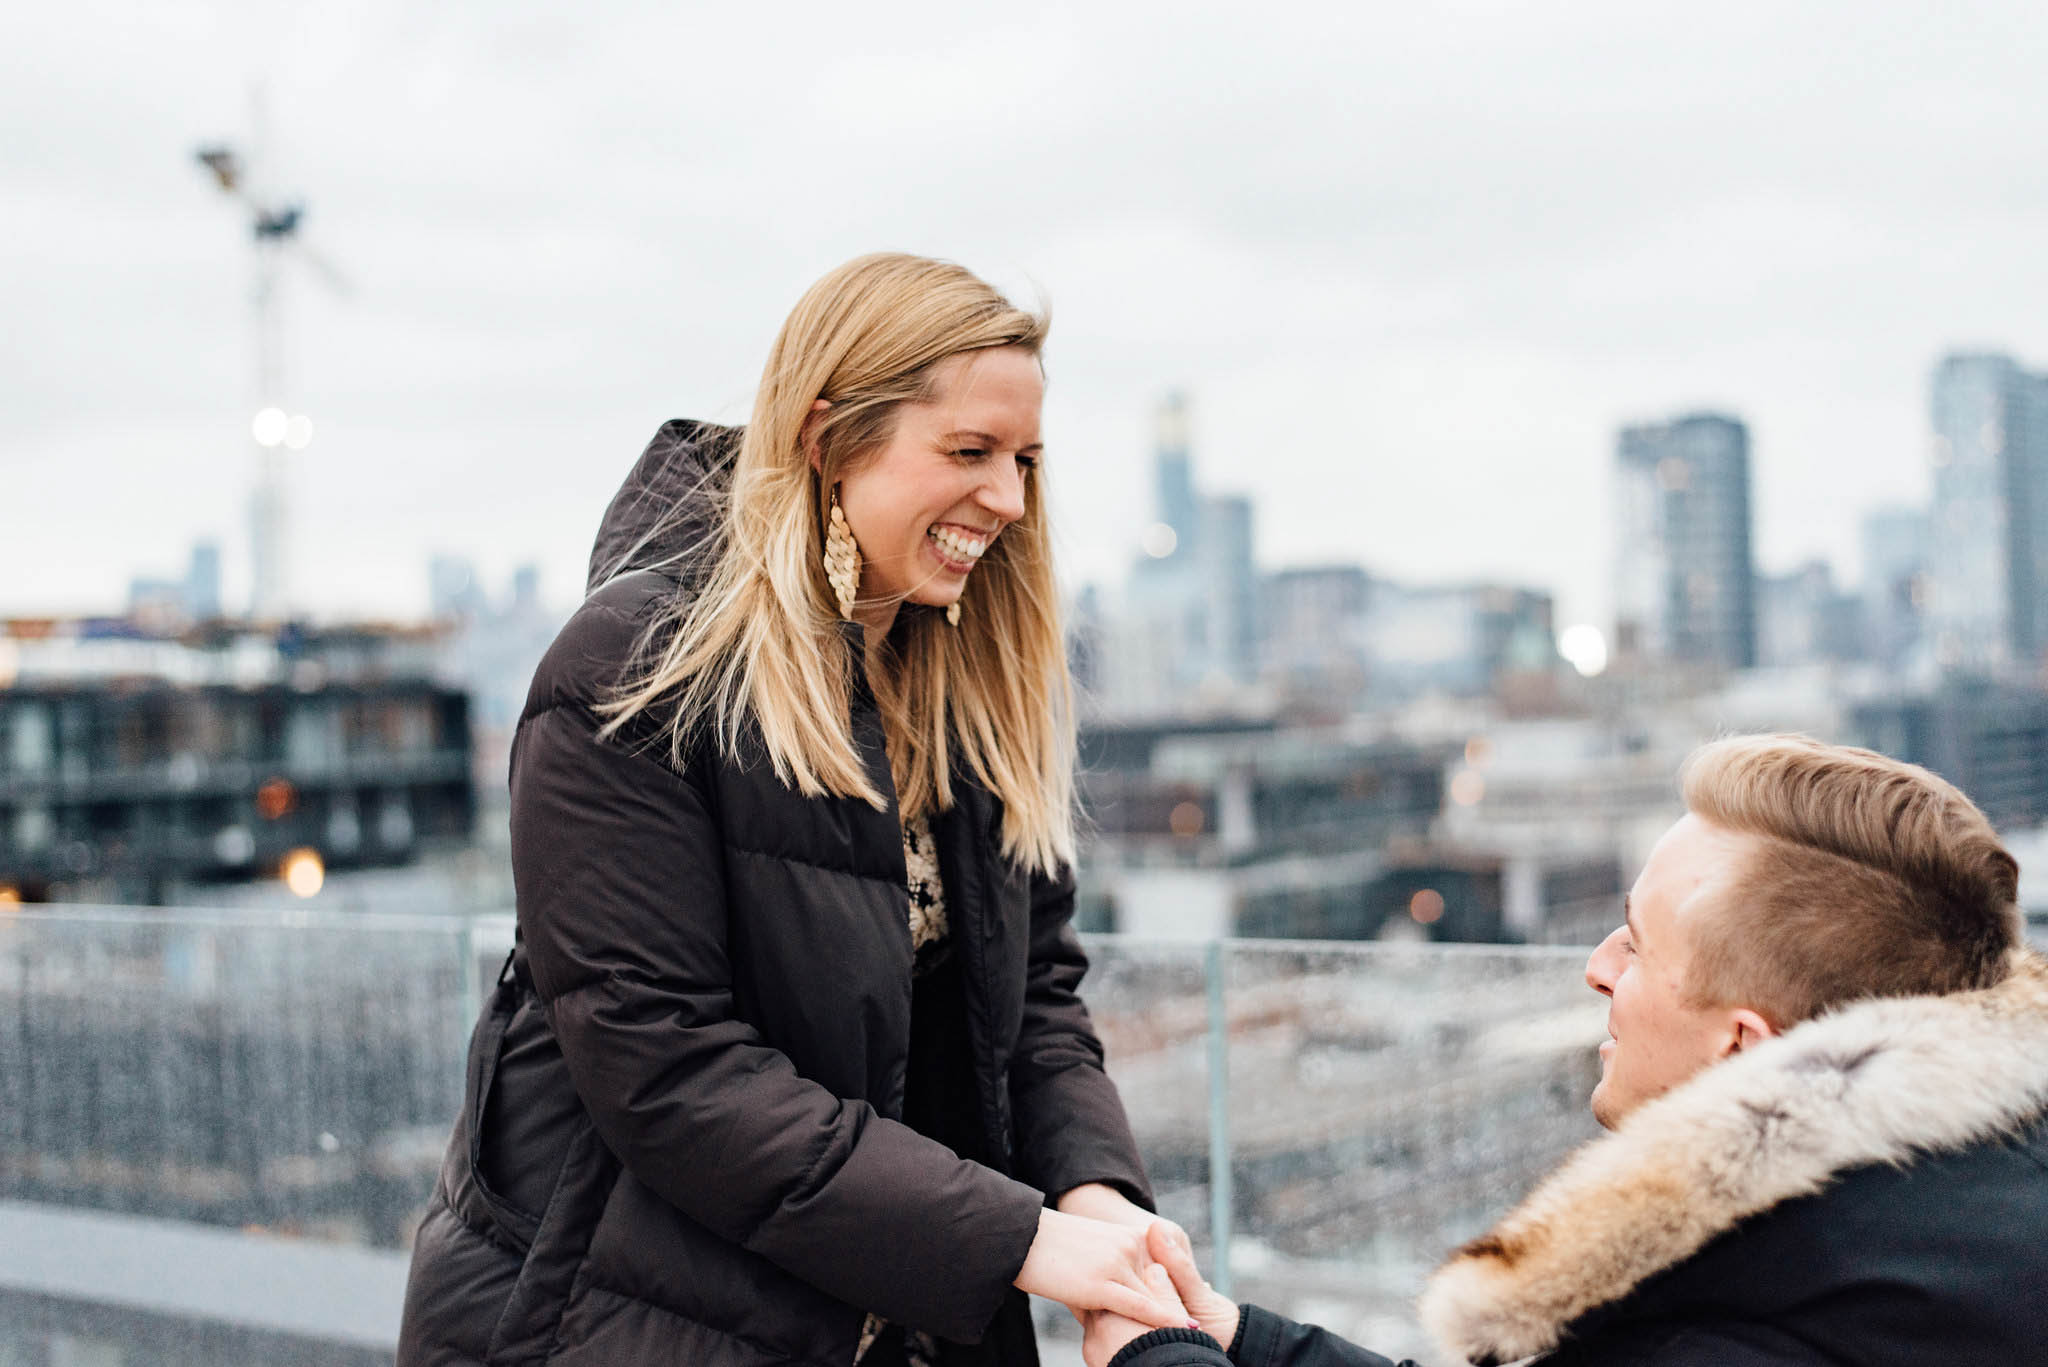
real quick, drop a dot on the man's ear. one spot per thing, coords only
(810, 435)
(1749, 1030)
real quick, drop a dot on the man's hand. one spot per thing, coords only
(1171, 1250)
(1108, 1333)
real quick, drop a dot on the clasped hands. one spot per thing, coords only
(1122, 1270)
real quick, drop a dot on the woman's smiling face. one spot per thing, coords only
(926, 506)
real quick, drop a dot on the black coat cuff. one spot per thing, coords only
(1171, 1348)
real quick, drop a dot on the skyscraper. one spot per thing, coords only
(1895, 583)
(1988, 543)
(1190, 614)
(1685, 579)
(202, 582)
(1174, 470)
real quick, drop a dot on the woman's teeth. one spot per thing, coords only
(960, 547)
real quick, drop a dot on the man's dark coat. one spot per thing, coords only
(1870, 1189)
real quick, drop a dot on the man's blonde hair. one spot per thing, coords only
(1869, 878)
(758, 643)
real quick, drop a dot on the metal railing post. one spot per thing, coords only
(1220, 1199)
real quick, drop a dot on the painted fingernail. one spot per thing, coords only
(1194, 1324)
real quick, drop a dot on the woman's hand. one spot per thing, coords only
(1170, 1249)
(1109, 1333)
(1087, 1264)
(1101, 1201)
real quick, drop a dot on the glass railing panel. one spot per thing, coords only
(291, 1073)
(296, 1074)
(1381, 1104)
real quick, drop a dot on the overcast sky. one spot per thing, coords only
(1413, 264)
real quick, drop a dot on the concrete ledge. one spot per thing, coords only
(179, 1270)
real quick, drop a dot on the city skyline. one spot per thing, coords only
(1414, 274)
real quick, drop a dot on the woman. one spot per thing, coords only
(788, 1065)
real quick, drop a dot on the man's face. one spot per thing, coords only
(1659, 1036)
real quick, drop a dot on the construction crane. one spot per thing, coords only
(277, 431)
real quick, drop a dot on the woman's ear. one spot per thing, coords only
(812, 453)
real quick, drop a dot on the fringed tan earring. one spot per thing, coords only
(842, 558)
(953, 613)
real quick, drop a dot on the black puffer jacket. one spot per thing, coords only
(681, 1142)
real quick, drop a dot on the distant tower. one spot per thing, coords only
(1685, 578)
(1178, 507)
(1895, 553)
(453, 590)
(202, 582)
(1988, 536)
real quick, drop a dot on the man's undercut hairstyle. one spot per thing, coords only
(1869, 878)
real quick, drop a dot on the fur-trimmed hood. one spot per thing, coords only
(1878, 1082)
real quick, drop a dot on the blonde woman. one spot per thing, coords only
(788, 1065)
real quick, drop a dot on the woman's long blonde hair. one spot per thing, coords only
(759, 638)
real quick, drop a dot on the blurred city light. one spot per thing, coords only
(1467, 788)
(1185, 820)
(1426, 907)
(298, 432)
(10, 897)
(1159, 540)
(269, 426)
(303, 872)
(276, 798)
(1585, 647)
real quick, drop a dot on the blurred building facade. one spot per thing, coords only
(1685, 576)
(1803, 618)
(1186, 627)
(1988, 543)
(187, 600)
(134, 763)
(1896, 555)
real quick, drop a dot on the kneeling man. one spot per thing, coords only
(1826, 1087)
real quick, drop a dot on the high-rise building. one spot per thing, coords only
(1988, 543)
(1457, 639)
(1187, 634)
(1803, 619)
(1685, 578)
(453, 590)
(1895, 559)
(1312, 633)
(1230, 586)
(1173, 469)
(174, 603)
(202, 582)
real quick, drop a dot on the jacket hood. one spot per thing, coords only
(1878, 1082)
(669, 503)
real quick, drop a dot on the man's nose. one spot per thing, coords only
(1600, 965)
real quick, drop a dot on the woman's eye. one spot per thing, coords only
(970, 453)
(1028, 462)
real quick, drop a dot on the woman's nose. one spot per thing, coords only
(1002, 493)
